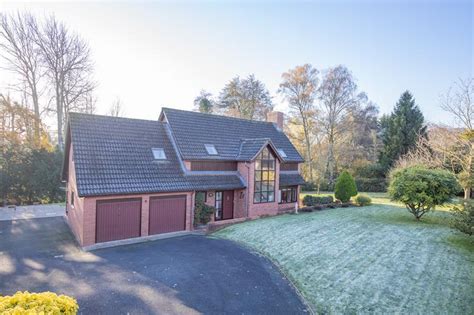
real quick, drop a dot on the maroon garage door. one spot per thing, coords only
(118, 219)
(167, 214)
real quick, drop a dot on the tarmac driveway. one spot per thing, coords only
(185, 275)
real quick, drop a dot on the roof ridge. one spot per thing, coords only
(218, 116)
(112, 117)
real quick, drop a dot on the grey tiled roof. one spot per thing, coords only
(113, 156)
(193, 130)
(288, 179)
(249, 148)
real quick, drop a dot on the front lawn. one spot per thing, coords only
(369, 259)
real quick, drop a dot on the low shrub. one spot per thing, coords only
(309, 200)
(203, 212)
(463, 217)
(37, 303)
(363, 200)
(345, 187)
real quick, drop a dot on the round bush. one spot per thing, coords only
(38, 303)
(421, 189)
(203, 212)
(345, 187)
(363, 200)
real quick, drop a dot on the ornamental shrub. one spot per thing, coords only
(421, 189)
(463, 217)
(363, 200)
(37, 303)
(345, 187)
(309, 200)
(203, 212)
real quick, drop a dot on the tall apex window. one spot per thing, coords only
(211, 149)
(264, 190)
(159, 153)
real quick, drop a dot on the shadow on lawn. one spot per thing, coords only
(461, 241)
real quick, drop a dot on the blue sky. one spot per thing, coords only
(155, 54)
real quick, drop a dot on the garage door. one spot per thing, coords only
(118, 219)
(167, 214)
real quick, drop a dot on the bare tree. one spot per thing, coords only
(445, 147)
(116, 109)
(299, 87)
(66, 58)
(18, 48)
(459, 101)
(337, 95)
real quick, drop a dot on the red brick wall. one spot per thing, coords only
(74, 214)
(90, 213)
(259, 209)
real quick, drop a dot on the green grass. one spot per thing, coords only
(374, 259)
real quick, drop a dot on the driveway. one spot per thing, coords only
(32, 212)
(185, 275)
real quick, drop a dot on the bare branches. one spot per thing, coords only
(338, 95)
(48, 50)
(116, 109)
(69, 67)
(299, 87)
(459, 101)
(18, 49)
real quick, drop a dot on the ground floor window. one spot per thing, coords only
(288, 194)
(218, 205)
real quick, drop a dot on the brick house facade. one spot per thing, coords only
(131, 178)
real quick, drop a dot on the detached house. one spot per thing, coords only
(130, 178)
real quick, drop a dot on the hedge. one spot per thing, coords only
(309, 200)
(37, 303)
(371, 184)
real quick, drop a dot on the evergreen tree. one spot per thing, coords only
(345, 187)
(401, 130)
(204, 103)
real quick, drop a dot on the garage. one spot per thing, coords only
(167, 214)
(118, 219)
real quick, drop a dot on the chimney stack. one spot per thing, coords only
(276, 118)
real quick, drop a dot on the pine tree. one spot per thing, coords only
(400, 130)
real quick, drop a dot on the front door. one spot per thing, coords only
(224, 205)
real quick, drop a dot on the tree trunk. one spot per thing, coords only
(308, 146)
(467, 193)
(59, 109)
(330, 161)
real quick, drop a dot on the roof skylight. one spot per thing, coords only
(282, 153)
(159, 153)
(211, 149)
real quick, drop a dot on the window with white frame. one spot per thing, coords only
(159, 153)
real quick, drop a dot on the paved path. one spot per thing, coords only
(184, 275)
(31, 212)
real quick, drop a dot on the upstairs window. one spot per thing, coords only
(159, 154)
(264, 190)
(282, 153)
(211, 149)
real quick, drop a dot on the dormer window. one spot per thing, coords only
(282, 153)
(159, 153)
(211, 149)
